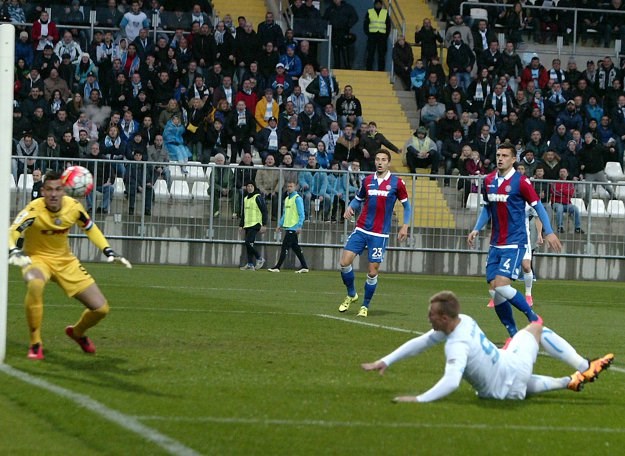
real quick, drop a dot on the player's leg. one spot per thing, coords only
(528, 276)
(370, 285)
(96, 309)
(376, 248)
(284, 249)
(355, 245)
(503, 309)
(36, 278)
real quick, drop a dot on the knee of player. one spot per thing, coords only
(372, 279)
(35, 286)
(103, 309)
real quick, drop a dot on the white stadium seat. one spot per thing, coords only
(616, 209)
(196, 172)
(597, 208)
(614, 171)
(160, 190)
(199, 191)
(620, 191)
(180, 190)
(580, 204)
(28, 180)
(474, 201)
(119, 189)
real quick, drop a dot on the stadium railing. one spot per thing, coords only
(183, 209)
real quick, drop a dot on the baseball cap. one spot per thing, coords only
(91, 73)
(272, 118)
(280, 65)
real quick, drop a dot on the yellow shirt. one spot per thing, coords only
(46, 233)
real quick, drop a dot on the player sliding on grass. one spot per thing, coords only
(377, 196)
(494, 373)
(506, 193)
(44, 225)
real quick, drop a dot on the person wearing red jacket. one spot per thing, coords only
(44, 32)
(561, 194)
(535, 72)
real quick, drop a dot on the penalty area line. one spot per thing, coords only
(366, 424)
(127, 422)
(372, 325)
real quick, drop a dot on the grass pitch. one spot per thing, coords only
(222, 361)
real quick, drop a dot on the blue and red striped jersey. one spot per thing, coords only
(505, 200)
(379, 199)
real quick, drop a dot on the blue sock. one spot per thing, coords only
(518, 301)
(504, 312)
(370, 285)
(347, 274)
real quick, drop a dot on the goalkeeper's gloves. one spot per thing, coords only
(113, 257)
(17, 258)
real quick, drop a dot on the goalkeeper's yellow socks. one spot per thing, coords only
(33, 303)
(90, 318)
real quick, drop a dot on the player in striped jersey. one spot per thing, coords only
(377, 196)
(506, 193)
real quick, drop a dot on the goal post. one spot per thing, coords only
(7, 68)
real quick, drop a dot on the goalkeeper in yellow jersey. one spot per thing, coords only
(44, 224)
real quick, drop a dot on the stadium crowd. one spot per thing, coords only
(200, 91)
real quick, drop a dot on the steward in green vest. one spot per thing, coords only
(377, 27)
(253, 221)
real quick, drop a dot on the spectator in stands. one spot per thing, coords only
(241, 127)
(349, 108)
(301, 152)
(68, 46)
(427, 37)
(460, 60)
(459, 26)
(561, 194)
(266, 108)
(172, 135)
(433, 85)
(551, 164)
(24, 49)
(215, 142)
(223, 183)
(323, 87)
(482, 37)
(421, 152)
(490, 58)
(559, 140)
(431, 113)
(224, 47)
(54, 82)
(310, 124)
(536, 72)
(104, 179)
(139, 178)
(268, 184)
(133, 21)
(270, 31)
(69, 149)
(158, 152)
(403, 60)
(313, 186)
(611, 24)
(347, 147)
(451, 151)
(44, 32)
(292, 64)
(371, 142)
(247, 47)
(267, 139)
(308, 54)
(342, 16)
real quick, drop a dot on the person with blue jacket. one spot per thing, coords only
(314, 187)
(291, 223)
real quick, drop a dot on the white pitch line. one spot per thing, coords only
(394, 425)
(125, 421)
(373, 325)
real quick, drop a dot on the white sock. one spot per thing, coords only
(528, 278)
(542, 383)
(560, 349)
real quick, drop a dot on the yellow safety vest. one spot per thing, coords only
(377, 23)
(253, 216)
(291, 217)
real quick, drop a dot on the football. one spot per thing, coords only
(77, 181)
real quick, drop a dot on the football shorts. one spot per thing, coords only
(376, 245)
(66, 271)
(504, 262)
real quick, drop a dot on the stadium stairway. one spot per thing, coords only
(381, 104)
(253, 10)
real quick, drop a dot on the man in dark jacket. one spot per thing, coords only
(460, 60)
(342, 16)
(592, 160)
(377, 27)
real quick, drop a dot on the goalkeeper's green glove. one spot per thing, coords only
(17, 258)
(113, 257)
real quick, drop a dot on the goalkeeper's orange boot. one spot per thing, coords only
(597, 366)
(84, 342)
(35, 351)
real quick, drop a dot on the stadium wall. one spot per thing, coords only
(327, 258)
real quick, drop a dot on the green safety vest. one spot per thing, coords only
(291, 217)
(253, 216)
(377, 23)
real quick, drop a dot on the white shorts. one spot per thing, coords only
(528, 254)
(521, 353)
